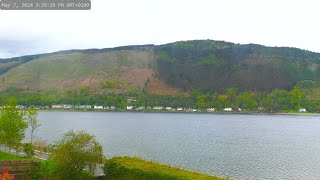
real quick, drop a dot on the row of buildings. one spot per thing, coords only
(140, 108)
(130, 108)
(69, 106)
(162, 108)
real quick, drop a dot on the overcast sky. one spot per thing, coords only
(113, 23)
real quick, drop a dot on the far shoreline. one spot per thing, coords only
(184, 112)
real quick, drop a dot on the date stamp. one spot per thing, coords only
(45, 4)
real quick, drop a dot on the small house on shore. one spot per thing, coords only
(228, 109)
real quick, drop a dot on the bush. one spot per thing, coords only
(47, 169)
(85, 175)
(28, 149)
(75, 152)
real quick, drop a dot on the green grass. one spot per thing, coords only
(6, 156)
(122, 168)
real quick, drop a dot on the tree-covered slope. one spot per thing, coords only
(216, 65)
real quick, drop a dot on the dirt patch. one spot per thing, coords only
(136, 76)
(159, 87)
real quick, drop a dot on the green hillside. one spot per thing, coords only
(129, 68)
(215, 65)
(204, 65)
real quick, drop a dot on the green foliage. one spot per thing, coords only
(33, 123)
(85, 91)
(283, 100)
(112, 84)
(13, 89)
(223, 102)
(122, 168)
(74, 152)
(163, 55)
(275, 101)
(201, 102)
(28, 149)
(135, 89)
(86, 175)
(214, 66)
(214, 61)
(247, 101)
(12, 124)
(47, 169)
(295, 97)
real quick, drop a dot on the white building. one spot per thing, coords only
(129, 107)
(67, 106)
(210, 110)
(21, 107)
(188, 109)
(97, 107)
(302, 110)
(57, 106)
(260, 108)
(227, 109)
(157, 107)
(168, 108)
(179, 109)
(141, 107)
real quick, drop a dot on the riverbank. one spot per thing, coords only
(179, 112)
(133, 168)
(138, 169)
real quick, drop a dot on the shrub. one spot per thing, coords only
(28, 149)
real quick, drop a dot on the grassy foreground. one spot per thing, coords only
(123, 168)
(6, 156)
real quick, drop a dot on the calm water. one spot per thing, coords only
(238, 146)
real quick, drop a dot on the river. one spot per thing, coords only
(234, 145)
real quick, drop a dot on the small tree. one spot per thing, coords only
(74, 152)
(31, 116)
(12, 124)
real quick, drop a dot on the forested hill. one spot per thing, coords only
(215, 65)
(205, 65)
